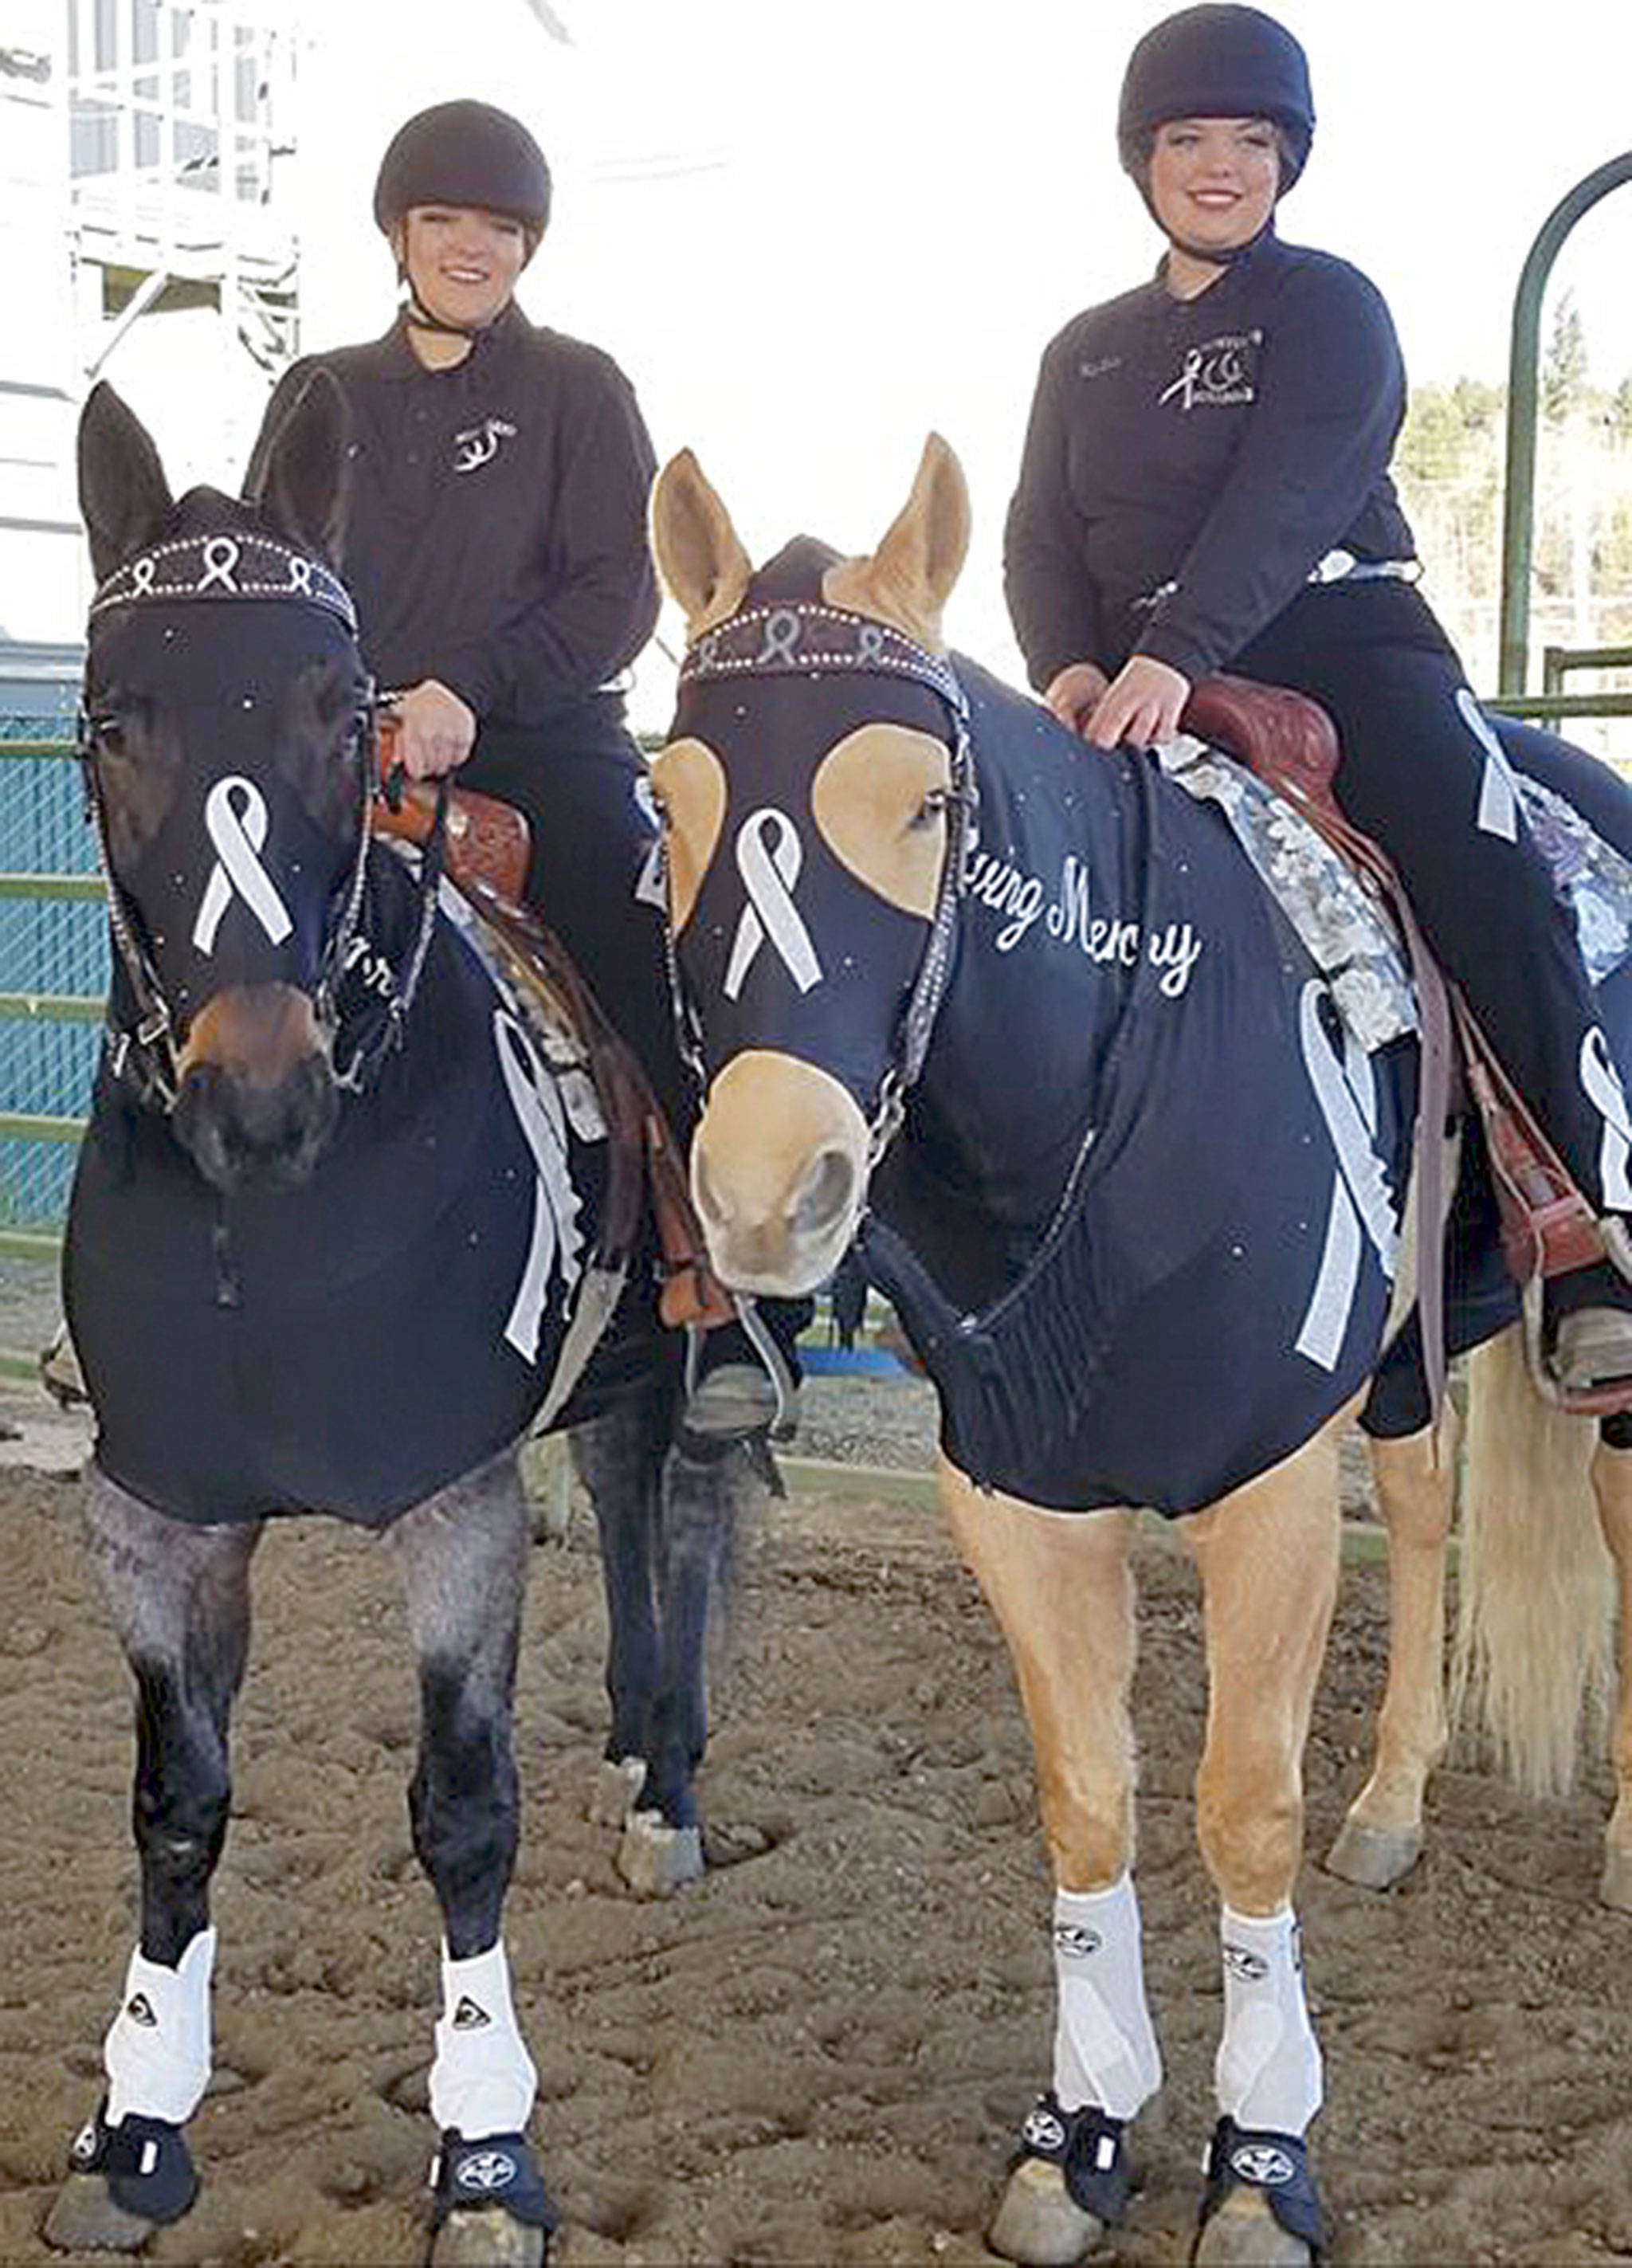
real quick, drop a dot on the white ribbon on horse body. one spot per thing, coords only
(538, 1113)
(1498, 793)
(1601, 1082)
(237, 834)
(1361, 1202)
(769, 855)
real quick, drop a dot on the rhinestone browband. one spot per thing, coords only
(242, 566)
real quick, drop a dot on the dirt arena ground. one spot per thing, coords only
(819, 2055)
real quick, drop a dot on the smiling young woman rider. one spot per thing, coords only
(495, 549)
(1205, 487)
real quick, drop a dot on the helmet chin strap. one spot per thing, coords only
(423, 320)
(1217, 255)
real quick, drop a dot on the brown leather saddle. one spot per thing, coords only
(1547, 1228)
(486, 846)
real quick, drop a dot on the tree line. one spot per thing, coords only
(1450, 468)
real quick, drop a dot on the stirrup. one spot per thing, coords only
(738, 1398)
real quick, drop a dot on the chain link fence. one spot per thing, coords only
(53, 955)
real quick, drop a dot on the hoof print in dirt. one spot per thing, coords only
(655, 1860)
(733, 1842)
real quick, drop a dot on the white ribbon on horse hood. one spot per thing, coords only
(537, 1108)
(238, 836)
(769, 873)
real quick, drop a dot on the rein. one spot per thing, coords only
(143, 1050)
(805, 639)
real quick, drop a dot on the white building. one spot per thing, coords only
(144, 223)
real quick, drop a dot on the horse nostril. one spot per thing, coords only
(825, 1191)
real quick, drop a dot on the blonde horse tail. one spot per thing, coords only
(1533, 1663)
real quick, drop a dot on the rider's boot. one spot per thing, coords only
(1589, 1317)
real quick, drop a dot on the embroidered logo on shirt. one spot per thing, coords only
(1215, 373)
(1101, 366)
(479, 444)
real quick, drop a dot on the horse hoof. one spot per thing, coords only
(616, 1786)
(1615, 1886)
(1038, 2222)
(487, 2236)
(656, 1861)
(1374, 1858)
(86, 2218)
(1244, 2233)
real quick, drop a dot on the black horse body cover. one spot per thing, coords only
(1173, 1258)
(313, 1350)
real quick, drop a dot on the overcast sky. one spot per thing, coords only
(810, 234)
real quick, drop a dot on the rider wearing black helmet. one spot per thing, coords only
(1205, 487)
(496, 547)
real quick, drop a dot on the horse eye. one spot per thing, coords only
(107, 733)
(936, 804)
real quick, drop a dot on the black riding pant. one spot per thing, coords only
(584, 786)
(1423, 772)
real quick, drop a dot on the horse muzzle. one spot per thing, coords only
(778, 1174)
(256, 1102)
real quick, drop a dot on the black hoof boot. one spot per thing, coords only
(1068, 2184)
(1259, 2181)
(491, 2208)
(124, 2181)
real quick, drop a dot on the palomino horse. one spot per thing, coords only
(335, 1241)
(1124, 1139)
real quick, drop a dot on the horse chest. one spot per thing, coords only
(284, 1351)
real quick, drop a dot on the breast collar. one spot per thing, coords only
(803, 638)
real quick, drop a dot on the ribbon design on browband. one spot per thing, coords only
(238, 836)
(805, 637)
(246, 566)
(769, 859)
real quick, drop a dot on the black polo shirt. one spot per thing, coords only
(1189, 462)
(498, 530)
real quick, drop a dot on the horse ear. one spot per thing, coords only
(124, 498)
(909, 576)
(698, 553)
(302, 484)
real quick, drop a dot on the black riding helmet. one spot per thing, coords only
(469, 154)
(1215, 62)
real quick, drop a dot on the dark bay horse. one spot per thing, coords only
(336, 1243)
(1126, 1140)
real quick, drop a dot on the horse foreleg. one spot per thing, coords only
(618, 1457)
(179, 1599)
(464, 1556)
(1612, 1486)
(1381, 1838)
(1062, 1590)
(662, 1846)
(1267, 1555)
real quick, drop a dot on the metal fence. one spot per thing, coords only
(53, 964)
